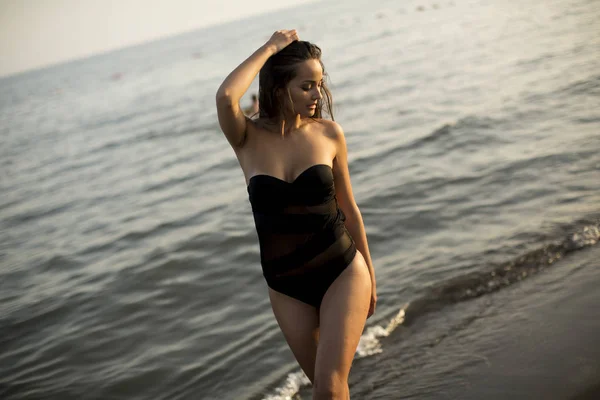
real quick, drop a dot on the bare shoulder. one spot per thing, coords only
(331, 129)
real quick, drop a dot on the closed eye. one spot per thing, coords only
(306, 87)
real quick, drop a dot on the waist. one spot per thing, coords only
(286, 253)
(296, 223)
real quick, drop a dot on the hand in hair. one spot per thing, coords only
(282, 38)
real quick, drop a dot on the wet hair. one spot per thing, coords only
(279, 70)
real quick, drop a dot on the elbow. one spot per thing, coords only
(227, 95)
(352, 214)
(224, 97)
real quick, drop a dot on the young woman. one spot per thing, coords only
(313, 247)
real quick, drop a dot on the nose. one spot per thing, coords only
(317, 94)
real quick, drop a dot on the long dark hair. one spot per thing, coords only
(279, 70)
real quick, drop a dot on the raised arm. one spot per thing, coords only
(231, 118)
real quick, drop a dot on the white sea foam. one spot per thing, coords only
(368, 345)
(293, 383)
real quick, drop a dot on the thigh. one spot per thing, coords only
(299, 323)
(342, 319)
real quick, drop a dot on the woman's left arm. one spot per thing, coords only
(354, 221)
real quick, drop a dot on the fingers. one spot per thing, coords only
(289, 33)
(372, 308)
(283, 38)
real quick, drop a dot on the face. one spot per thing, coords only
(305, 88)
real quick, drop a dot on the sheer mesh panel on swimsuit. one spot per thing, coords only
(291, 253)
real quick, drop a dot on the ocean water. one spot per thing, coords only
(129, 264)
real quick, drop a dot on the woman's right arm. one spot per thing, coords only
(231, 117)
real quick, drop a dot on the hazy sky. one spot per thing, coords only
(34, 33)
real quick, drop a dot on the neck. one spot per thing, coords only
(288, 124)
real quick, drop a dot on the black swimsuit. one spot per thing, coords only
(304, 245)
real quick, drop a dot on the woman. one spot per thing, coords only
(313, 246)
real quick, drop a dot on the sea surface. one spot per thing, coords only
(129, 263)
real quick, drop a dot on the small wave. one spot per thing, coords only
(479, 283)
(293, 383)
(369, 343)
(34, 214)
(153, 130)
(125, 239)
(435, 135)
(169, 183)
(469, 123)
(223, 165)
(139, 235)
(59, 262)
(586, 86)
(472, 132)
(537, 60)
(108, 121)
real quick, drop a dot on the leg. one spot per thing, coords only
(342, 319)
(299, 323)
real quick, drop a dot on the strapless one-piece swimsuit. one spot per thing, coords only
(304, 244)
